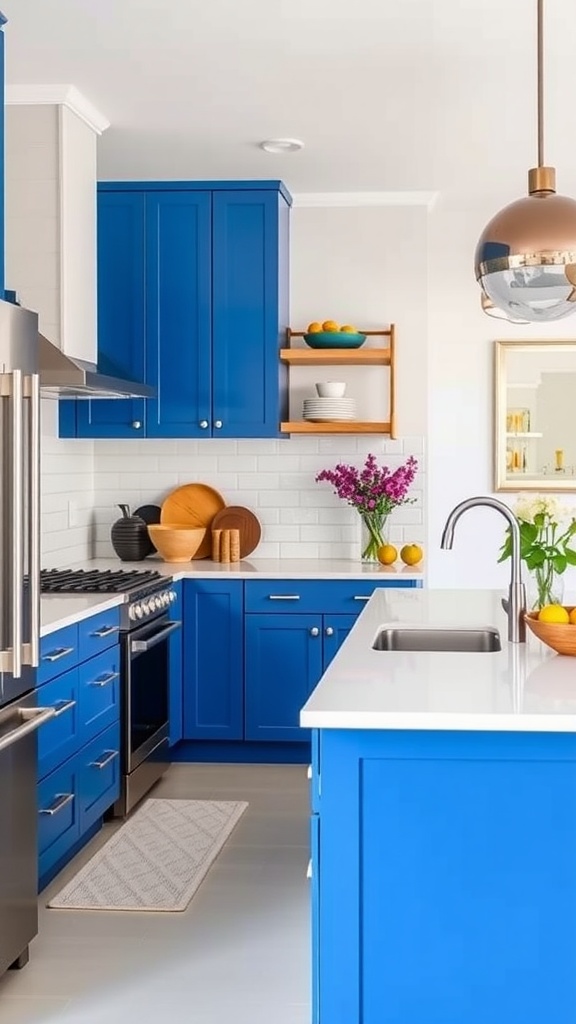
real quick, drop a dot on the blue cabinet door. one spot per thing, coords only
(178, 313)
(175, 709)
(283, 665)
(250, 312)
(213, 659)
(121, 326)
(336, 629)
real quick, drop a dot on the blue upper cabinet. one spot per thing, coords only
(121, 320)
(193, 300)
(250, 274)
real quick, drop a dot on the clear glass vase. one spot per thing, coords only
(374, 525)
(544, 586)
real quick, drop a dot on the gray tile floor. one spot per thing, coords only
(239, 953)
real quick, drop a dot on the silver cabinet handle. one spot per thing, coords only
(203, 424)
(107, 757)
(61, 706)
(314, 631)
(105, 680)
(32, 393)
(105, 631)
(309, 772)
(283, 597)
(218, 424)
(60, 652)
(62, 800)
(362, 597)
(141, 646)
(309, 869)
(32, 719)
(136, 424)
(329, 631)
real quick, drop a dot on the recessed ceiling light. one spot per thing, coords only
(281, 145)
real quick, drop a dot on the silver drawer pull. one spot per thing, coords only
(362, 597)
(60, 652)
(105, 631)
(61, 706)
(309, 870)
(284, 597)
(105, 680)
(309, 772)
(61, 801)
(106, 759)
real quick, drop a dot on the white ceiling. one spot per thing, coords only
(411, 94)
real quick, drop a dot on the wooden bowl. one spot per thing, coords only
(561, 638)
(176, 543)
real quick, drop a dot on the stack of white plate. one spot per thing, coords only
(329, 410)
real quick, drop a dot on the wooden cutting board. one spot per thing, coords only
(235, 517)
(193, 505)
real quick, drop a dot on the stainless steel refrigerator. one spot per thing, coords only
(20, 716)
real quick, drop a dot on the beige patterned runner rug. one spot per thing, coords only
(156, 860)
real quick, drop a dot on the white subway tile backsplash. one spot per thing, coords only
(240, 463)
(260, 481)
(278, 499)
(298, 515)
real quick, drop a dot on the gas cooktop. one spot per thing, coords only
(98, 581)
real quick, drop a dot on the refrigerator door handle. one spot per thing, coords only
(12, 389)
(32, 395)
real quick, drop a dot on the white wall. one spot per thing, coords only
(349, 265)
(460, 394)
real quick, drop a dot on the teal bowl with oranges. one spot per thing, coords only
(334, 339)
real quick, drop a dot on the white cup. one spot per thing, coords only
(331, 389)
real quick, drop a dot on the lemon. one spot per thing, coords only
(330, 325)
(554, 613)
(411, 554)
(314, 327)
(348, 329)
(573, 617)
(387, 554)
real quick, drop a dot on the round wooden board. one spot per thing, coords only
(235, 517)
(150, 514)
(193, 505)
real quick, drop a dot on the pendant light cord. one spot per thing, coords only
(540, 83)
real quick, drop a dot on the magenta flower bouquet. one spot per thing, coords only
(374, 491)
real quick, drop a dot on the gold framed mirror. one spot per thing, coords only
(535, 415)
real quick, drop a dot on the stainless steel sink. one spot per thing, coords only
(414, 638)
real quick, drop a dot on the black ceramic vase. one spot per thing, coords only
(130, 538)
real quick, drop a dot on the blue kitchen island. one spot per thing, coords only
(443, 825)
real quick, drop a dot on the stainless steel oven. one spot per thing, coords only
(145, 701)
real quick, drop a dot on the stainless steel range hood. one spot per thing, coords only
(64, 377)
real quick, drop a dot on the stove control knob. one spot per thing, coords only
(146, 607)
(138, 611)
(172, 596)
(164, 600)
(132, 612)
(158, 602)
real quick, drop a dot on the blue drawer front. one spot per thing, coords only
(314, 595)
(58, 653)
(58, 815)
(98, 633)
(60, 737)
(99, 776)
(99, 692)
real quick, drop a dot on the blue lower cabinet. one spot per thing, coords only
(175, 697)
(58, 815)
(59, 738)
(315, 911)
(283, 665)
(336, 629)
(99, 776)
(59, 651)
(213, 659)
(98, 633)
(99, 693)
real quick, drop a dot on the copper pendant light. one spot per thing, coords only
(525, 260)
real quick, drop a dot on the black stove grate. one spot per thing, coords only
(95, 581)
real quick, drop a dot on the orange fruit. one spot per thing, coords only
(348, 329)
(411, 554)
(314, 327)
(330, 325)
(387, 554)
(572, 615)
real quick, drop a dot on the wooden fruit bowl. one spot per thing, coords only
(176, 543)
(561, 638)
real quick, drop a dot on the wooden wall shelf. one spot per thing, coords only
(343, 357)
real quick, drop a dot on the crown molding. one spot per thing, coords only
(366, 199)
(59, 95)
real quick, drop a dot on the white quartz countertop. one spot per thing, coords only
(265, 568)
(59, 610)
(524, 687)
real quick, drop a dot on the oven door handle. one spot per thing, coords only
(141, 646)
